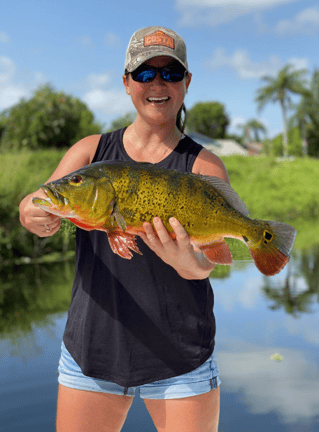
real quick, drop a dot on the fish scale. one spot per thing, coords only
(117, 197)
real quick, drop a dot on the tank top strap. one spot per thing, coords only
(111, 147)
(183, 156)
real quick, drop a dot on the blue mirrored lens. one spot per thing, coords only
(147, 74)
(172, 75)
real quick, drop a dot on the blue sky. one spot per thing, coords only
(79, 47)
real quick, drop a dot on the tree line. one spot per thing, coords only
(52, 119)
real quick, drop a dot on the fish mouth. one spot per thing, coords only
(54, 203)
(54, 197)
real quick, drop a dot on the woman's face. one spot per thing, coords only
(157, 101)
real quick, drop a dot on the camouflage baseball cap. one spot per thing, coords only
(152, 42)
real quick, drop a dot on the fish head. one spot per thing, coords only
(84, 195)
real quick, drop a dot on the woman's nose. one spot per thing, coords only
(158, 80)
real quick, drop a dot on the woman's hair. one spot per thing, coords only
(181, 118)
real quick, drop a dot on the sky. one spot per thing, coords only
(79, 47)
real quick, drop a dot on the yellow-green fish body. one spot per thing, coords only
(117, 197)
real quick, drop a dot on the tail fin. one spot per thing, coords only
(273, 253)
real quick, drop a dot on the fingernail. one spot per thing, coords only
(172, 221)
(156, 219)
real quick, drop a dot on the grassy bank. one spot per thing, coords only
(286, 191)
(20, 174)
(280, 190)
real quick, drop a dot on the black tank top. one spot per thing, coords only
(136, 321)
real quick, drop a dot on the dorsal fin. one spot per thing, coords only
(228, 193)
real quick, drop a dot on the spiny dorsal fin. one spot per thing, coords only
(228, 193)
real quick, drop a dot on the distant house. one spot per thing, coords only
(253, 148)
(220, 147)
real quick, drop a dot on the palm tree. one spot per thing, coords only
(300, 119)
(278, 88)
(254, 126)
(307, 111)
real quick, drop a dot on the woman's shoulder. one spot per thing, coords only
(88, 146)
(208, 163)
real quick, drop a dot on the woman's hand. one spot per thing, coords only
(37, 220)
(189, 262)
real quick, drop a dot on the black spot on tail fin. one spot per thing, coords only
(283, 236)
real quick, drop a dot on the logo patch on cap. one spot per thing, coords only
(159, 38)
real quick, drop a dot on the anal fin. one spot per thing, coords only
(218, 252)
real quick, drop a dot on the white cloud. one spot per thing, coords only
(108, 101)
(4, 37)
(12, 89)
(243, 65)
(216, 12)
(10, 93)
(102, 99)
(305, 22)
(261, 4)
(289, 387)
(85, 41)
(7, 69)
(98, 80)
(246, 68)
(112, 40)
(236, 121)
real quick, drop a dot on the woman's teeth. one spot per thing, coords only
(158, 100)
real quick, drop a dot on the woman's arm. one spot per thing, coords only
(37, 220)
(186, 259)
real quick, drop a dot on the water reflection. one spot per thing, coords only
(300, 288)
(289, 388)
(30, 294)
(256, 317)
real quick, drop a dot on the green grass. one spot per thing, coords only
(281, 190)
(22, 173)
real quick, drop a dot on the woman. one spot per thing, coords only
(147, 324)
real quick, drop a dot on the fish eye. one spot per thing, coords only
(76, 179)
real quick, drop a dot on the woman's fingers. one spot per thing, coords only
(159, 237)
(162, 233)
(182, 237)
(47, 229)
(175, 248)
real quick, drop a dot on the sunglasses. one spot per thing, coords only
(146, 74)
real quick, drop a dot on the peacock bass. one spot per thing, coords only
(118, 196)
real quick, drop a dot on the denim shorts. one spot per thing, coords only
(201, 380)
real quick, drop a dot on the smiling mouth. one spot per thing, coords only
(158, 100)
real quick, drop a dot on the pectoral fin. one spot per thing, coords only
(122, 243)
(119, 219)
(218, 252)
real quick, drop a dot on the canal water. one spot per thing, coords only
(267, 349)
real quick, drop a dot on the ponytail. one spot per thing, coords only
(181, 118)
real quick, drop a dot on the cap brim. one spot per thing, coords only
(152, 55)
